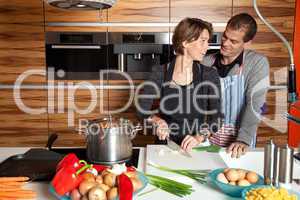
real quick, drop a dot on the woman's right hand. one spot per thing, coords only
(161, 127)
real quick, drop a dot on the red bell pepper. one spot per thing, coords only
(125, 187)
(68, 178)
(69, 159)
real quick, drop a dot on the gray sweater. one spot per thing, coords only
(256, 73)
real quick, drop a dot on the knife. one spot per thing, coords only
(175, 147)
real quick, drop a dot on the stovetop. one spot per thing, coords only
(81, 154)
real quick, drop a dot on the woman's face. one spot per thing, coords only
(197, 48)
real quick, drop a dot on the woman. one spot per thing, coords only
(186, 109)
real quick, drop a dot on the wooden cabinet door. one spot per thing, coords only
(139, 11)
(212, 11)
(22, 40)
(19, 128)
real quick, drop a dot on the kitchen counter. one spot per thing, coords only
(161, 155)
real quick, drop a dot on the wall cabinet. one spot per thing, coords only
(22, 40)
(18, 128)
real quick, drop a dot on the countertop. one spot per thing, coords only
(214, 160)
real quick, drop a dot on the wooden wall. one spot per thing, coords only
(22, 47)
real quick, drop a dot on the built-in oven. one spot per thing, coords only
(82, 55)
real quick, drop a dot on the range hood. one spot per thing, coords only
(82, 4)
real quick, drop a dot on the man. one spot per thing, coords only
(242, 73)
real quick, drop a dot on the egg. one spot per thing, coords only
(252, 177)
(232, 183)
(226, 170)
(243, 182)
(221, 177)
(242, 174)
(232, 175)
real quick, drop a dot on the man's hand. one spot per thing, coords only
(191, 141)
(237, 149)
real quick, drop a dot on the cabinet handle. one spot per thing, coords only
(76, 47)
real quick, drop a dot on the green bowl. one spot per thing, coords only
(231, 190)
(244, 193)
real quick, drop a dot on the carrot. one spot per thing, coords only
(13, 183)
(16, 179)
(21, 194)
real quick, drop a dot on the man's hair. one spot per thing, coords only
(244, 21)
(189, 29)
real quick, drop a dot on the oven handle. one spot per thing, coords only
(75, 46)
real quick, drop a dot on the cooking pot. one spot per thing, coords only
(108, 140)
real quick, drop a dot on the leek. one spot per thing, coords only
(210, 148)
(170, 186)
(197, 175)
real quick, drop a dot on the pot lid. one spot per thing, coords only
(82, 4)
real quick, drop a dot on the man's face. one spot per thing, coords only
(232, 43)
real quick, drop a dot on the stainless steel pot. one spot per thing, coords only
(109, 140)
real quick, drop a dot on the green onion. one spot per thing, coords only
(211, 148)
(171, 186)
(197, 175)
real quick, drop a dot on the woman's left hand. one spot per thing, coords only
(191, 141)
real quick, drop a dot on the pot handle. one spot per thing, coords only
(135, 130)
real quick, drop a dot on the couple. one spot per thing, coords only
(210, 96)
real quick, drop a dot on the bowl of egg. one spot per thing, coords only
(233, 181)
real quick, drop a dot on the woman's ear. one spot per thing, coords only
(184, 44)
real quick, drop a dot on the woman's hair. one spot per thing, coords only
(189, 29)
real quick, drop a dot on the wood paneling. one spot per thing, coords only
(122, 11)
(212, 11)
(18, 128)
(21, 40)
(139, 11)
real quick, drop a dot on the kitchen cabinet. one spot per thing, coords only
(18, 128)
(22, 40)
(213, 11)
(139, 11)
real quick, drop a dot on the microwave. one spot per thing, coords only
(82, 55)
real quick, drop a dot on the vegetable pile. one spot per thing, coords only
(11, 188)
(77, 180)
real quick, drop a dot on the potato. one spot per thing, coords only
(99, 179)
(112, 193)
(109, 179)
(88, 176)
(75, 195)
(85, 186)
(131, 174)
(96, 193)
(136, 183)
(104, 187)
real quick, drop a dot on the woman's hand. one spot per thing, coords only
(161, 127)
(191, 141)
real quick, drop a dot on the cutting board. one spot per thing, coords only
(162, 155)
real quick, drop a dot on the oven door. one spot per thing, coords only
(74, 62)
